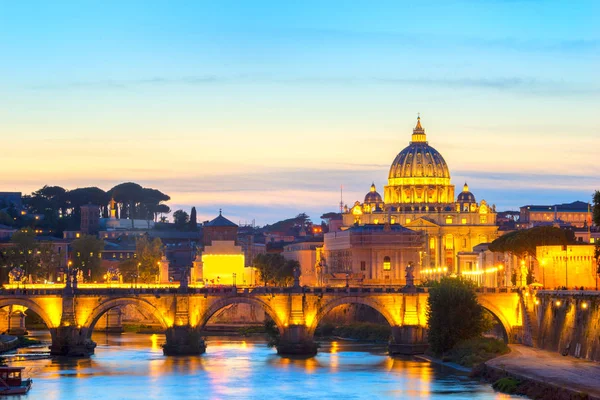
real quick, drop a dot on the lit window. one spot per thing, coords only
(393, 221)
(432, 243)
(387, 264)
(376, 221)
(463, 221)
(448, 220)
(77, 235)
(483, 219)
(408, 220)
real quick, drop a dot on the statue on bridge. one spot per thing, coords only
(410, 278)
(297, 273)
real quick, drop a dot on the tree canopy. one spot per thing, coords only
(149, 253)
(86, 256)
(274, 269)
(24, 253)
(61, 207)
(524, 242)
(453, 314)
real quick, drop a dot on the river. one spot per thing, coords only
(132, 366)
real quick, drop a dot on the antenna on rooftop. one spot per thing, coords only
(341, 199)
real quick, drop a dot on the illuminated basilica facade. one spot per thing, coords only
(420, 196)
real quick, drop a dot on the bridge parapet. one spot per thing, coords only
(297, 311)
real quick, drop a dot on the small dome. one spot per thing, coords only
(373, 196)
(465, 196)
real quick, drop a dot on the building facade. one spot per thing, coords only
(420, 196)
(577, 214)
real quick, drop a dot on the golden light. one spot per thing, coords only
(584, 305)
(500, 267)
(558, 303)
(536, 302)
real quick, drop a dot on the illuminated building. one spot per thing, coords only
(370, 254)
(222, 258)
(577, 214)
(570, 266)
(420, 196)
(305, 252)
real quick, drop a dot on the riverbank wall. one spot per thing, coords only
(8, 343)
(569, 322)
(531, 387)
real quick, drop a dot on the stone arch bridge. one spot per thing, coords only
(71, 315)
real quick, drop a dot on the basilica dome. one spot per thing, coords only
(419, 174)
(419, 159)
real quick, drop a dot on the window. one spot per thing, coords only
(448, 220)
(464, 243)
(363, 266)
(387, 263)
(449, 242)
(376, 221)
(483, 219)
(408, 220)
(463, 221)
(432, 243)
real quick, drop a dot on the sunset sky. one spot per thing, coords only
(265, 108)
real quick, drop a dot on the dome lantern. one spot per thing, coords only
(418, 135)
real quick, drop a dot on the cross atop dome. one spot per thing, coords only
(418, 135)
(373, 188)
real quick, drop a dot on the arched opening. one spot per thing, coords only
(25, 318)
(498, 330)
(354, 318)
(111, 313)
(501, 329)
(240, 311)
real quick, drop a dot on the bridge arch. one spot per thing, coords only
(227, 301)
(498, 315)
(52, 320)
(105, 306)
(331, 304)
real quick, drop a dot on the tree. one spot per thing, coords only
(23, 253)
(86, 256)
(6, 219)
(597, 257)
(596, 212)
(523, 243)
(48, 259)
(129, 269)
(180, 218)
(275, 269)
(193, 221)
(453, 314)
(149, 253)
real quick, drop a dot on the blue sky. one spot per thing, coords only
(265, 108)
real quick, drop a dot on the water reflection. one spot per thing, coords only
(131, 366)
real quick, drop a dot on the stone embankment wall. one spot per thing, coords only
(569, 323)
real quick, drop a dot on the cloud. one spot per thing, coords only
(524, 85)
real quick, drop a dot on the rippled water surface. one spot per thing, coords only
(132, 366)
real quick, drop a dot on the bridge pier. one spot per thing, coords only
(408, 340)
(71, 341)
(296, 341)
(183, 341)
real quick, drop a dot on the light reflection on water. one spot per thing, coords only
(132, 366)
